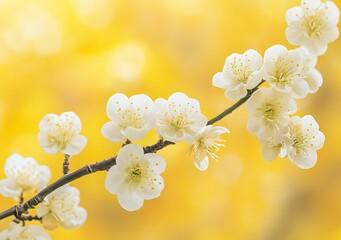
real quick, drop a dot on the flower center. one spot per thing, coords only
(313, 23)
(136, 174)
(239, 69)
(269, 111)
(283, 74)
(61, 134)
(209, 146)
(298, 140)
(130, 118)
(179, 121)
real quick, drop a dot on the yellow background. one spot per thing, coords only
(66, 55)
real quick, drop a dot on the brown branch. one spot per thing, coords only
(104, 165)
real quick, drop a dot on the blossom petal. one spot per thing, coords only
(112, 131)
(331, 34)
(115, 181)
(314, 80)
(79, 216)
(304, 161)
(273, 52)
(130, 201)
(153, 190)
(8, 189)
(116, 102)
(317, 46)
(157, 163)
(201, 164)
(293, 14)
(49, 222)
(269, 153)
(47, 121)
(318, 141)
(129, 152)
(237, 93)
(333, 12)
(76, 145)
(135, 133)
(300, 88)
(46, 145)
(42, 210)
(219, 80)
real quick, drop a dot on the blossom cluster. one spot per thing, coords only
(287, 75)
(290, 75)
(136, 175)
(25, 176)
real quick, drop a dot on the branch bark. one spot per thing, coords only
(104, 165)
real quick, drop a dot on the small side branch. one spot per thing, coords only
(234, 106)
(66, 164)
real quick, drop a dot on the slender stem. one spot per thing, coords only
(104, 165)
(234, 106)
(66, 164)
(21, 198)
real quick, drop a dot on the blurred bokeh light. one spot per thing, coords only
(64, 55)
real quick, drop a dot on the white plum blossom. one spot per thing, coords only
(131, 118)
(179, 118)
(313, 25)
(282, 69)
(60, 208)
(17, 232)
(240, 73)
(61, 133)
(304, 139)
(273, 146)
(23, 175)
(135, 177)
(205, 143)
(309, 73)
(269, 112)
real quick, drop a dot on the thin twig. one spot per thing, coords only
(234, 106)
(66, 164)
(21, 198)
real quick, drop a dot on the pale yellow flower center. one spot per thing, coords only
(132, 118)
(269, 111)
(314, 23)
(61, 133)
(241, 70)
(299, 140)
(284, 72)
(136, 174)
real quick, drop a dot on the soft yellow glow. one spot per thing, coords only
(94, 13)
(126, 62)
(64, 55)
(34, 29)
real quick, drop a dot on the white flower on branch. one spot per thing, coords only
(23, 175)
(179, 118)
(60, 208)
(205, 144)
(135, 177)
(309, 73)
(305, 139)
(131, 118)
(17, 232)
(269, 112)
(240, 73)
(61, 133)
(274, 146)
(283, 69)
(313, 25)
